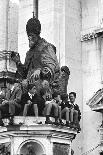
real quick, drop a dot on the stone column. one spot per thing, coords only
(52, 17)
(4, 24)
(13, 25)
(26, 8)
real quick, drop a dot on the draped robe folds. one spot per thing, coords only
(43, 55)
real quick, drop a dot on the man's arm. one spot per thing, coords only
(17, 98)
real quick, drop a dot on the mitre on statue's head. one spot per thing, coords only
(33, 26)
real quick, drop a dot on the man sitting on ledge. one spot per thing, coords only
(11, 104)
(75, 114)
(52, 103)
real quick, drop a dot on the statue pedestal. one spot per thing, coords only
(37, 139)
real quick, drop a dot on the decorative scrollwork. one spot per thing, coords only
(89, 36)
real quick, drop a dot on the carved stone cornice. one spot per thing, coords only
(96, 102)
(37, 130)
(92, 35)
(88, 36)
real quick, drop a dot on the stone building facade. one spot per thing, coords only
(75, 27)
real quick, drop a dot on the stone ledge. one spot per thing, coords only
(31, 128)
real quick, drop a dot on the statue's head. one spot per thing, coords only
(33, 29)
(65, 71)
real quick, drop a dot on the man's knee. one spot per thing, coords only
(67, 109)
(75, 112)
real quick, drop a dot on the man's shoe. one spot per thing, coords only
(48, 122)
(11, 120)
(56, 123)
(1, 123)
(61, 122)
(68, 124)
(39, 122)
(72, 125)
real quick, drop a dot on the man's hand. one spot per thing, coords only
(29, 102)
(4, 102)
(15, 57)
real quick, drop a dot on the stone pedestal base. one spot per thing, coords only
(36, 139)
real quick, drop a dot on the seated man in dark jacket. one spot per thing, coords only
(32, 102)
(65, 108)
(75, 114)
(11, 103)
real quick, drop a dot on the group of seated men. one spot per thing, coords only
(25, 102)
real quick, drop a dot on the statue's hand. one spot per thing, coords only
(45, 73)
(15, 57)
(36, 74)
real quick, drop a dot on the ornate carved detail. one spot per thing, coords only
(89, 36)
(96, 102)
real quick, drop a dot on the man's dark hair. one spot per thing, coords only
(55, 94)
(73, 94)
(65, 69)
(64, 96)
(30, 86)
(42, 91)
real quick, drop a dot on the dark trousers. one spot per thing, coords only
(26, 108)
(9, 109)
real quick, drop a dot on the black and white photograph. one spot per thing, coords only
(51, 77)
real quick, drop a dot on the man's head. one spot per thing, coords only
(33, 29)
(72, 97)
(56, 96)
(45, 84)
(64, 97)
(32, 89)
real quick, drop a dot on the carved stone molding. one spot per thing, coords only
(92, 35)
(88, 36)
(96, 102)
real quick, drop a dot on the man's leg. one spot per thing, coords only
(47, 110)
(56, 110)
(75, 118)
(26, 107)
(60, 116)
(66, 111)
(71, 115)
(12, 113)
(35, 108)
(1, 122)
(12, 109)
(76, 122)
(72, 118)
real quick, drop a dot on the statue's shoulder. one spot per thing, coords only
(46, 44)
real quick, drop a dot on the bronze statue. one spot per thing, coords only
(41, 61)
